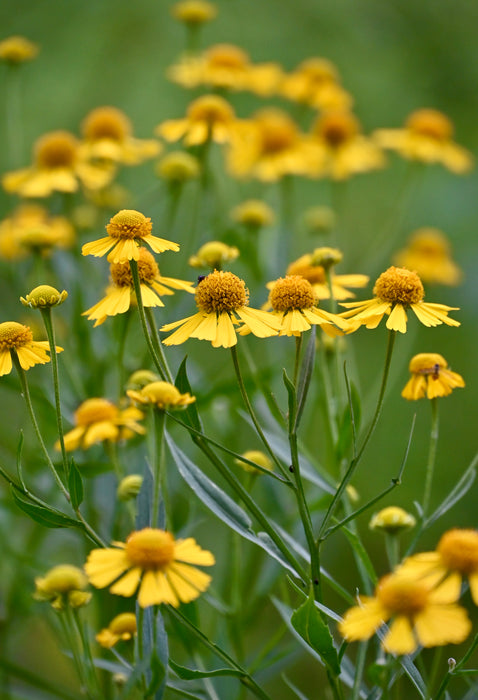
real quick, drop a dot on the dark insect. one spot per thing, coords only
(201, 278)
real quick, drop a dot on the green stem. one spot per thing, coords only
(392, 547)
(159, 421)
(298, 347)
(432, 451)
(457, 668)
(90, 672)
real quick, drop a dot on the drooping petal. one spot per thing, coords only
(362, 621)
(473, 581)
(103, 566)
(127, 584)
(190, 552)
(155, 589)
(98, 248)
(397, 321)
(442, 624)
(225, 332)
(187, 581)
(400, 638)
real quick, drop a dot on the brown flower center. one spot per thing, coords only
(459, 550)
(226, 56)
(56, 150)
(211, 109)
(150, 548)
(292, 292)
(399, 286)
(401, 596)
(106, 123)
(147, 268)
(95, 411)
(129, 223)
(431, 123)
(221, 291)
(277, 131)
(336, 128)
(14, 335)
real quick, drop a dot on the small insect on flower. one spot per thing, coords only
(431, 377)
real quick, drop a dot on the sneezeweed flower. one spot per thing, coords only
(121, 294)
(430, 378)
(253, 214)
(154, 561)
(455, 559)
(58, 167)
(17, 49)
(44, 296)
(392, 520)
(214, 254)
(420, 614)
(338, 149)
(129, 487)
(260, 458)
(177, 167)
(194, 12)
(396, 291)
(209, 118)
(429, 253)
(427, 137)
(31, 230)
(315, 82)
(222, 300)
(121, 628)
(17, 339)
(163, 395)
(127, 231)
(140, 378)
(63, 586)
(318, 220)
(99, 420)
(108, 135)
(311, 266)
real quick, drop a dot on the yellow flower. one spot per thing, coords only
(209, 118)
(214, 254)
(194, 12)
(225, 66)
(455, 558)
(154, 561)
(58, 167)
(307, 266)
(178, 167)
(397, 290)
(260, 458)
(293, 300)
(315, 82)
(108, 135)
(63, 586)
(121, 628)
(120, 295)
(17, 49)
(222, 300)
(97, 420)
(427, 137)
(253, 213)
(17, 338)
(44, 296)
(31, 229)
(338, 149)
(420, 615)
(392, 520)
(429, 253)
(268, 147)
(129, 487)
(430, 377)
(163, 395)
(127, 231)
(140, 378)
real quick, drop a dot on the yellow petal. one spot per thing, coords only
(473, 581)
(187, 581)
(127, 584)
(362, 621)
(155, 589)
(98, 248)
(5, 362)
(397, 321)
(400, 638)
(103, 566)
(190, 552)
(225, 334)
(442, 624)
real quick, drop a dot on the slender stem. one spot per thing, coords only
(451, 672)
(392, 547)
(159, 420)
(93, 681)
(298, 347)
(157, 343)
(432, 451)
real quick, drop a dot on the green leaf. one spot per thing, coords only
(457, 493)
(48, 517)
(19, 460)
(361, 552)
(189, 674)
(292, 398)
(349, 421)
(191, 414)
(308, 622)
(75, 485)
(306, 374)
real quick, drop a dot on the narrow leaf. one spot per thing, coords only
(457, 493)
(308, 622)
(48, 517)
(306, 374)
(292, 399)
(19, 460)
(189, 674)
(75, 485)
(182, 383)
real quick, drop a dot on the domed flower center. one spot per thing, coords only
(147, 268)
(336, 128)
(427, 363)
(431, 123)
(277, 131)
(150, 548)
(56, 150)
(318, 70)
(401, 596)
(315, 274)
(227, 56)
(14, 335)
(221, 291)
(459, 550)
(129, 223)
(399, 286)
(95, 411)
(125, 623)
(211, 109)
(106, 123)
(63, 579)
(162, 393)
(292, 292)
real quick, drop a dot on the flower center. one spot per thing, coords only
(459, 550)
(427, 363)
(399, 286)
(14, 335)
(95, 411)
(129, 223)
(56, 150)
(336, 128)
(150, 548)
(64, 578)
(431, 123)
(315, 274)
(147, 268)
(277, 131)
(211, 109)
(161, 393)
(226, 56)
(221, 291)
(292, 292)
(402, 596)
(106, 123)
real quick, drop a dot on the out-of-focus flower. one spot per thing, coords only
(31, 230)
(315, 82)
(63, 586)
(17, 49)
(194, 12)
(430, 378)
(17, 339)
(121, 628)
(209, 118)
(253, 214)
(129, 487)
(214, 254)
(260, 458)
(429, 253)
(307, 266)
(163, 395)
(178, 167)
(392, 520)
(318, 220)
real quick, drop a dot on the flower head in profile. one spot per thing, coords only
(152, 561)
(318, 220)
(97, 420)
(427, 137)
(455, 559)
(253, 214)
(397, 290)
(63, 586)
(17, 340)
(222, 300)
(127, 231)
(429, 253)
(121, 628)
(17, 49)
(194, 12)
(259, 458)
(312, 266)
(392, 520)
(129, 487)
(214, 254)
(209, 118)
(57, 167)
(120, 295)
(315, 82)
(430, 378)
(108, 135)
(44, 296)
(163, 395)
(31, 230)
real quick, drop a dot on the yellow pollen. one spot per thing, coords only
(210, 109)
(150, 548)
(56, 150)
(227, 56)
(106, 123)
(402, 596)
(147, 268)
(221, 291)
(431, 123)
(95, 411)
(277, 131)
(337, 128)
(427, 363)
(292, 292)
(125, 623)
(14, 335)
(459, 550)
(129, 223)
(315, 274)
(399, 286)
